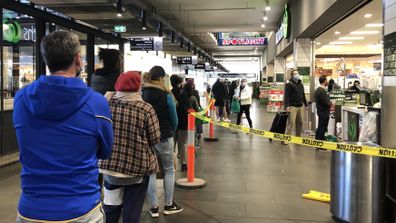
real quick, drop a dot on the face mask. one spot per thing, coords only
(296, 77)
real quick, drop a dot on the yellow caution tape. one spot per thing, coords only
(317, 196)
(343, 147)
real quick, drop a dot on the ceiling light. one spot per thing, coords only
(375, 25)
(262, 25)
(267, 8)
(318, 43)
(337, 32)
(368, 15)
(119, 14)
(352, 38)
(265, 18)
(144, 28)
(365, 32)
(340, 43)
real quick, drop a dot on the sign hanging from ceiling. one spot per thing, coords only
(241, 39)
(146, 44)
(260, 41)
(184, 60)
(119, 28)
(284, 28)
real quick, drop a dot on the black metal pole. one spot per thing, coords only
(90, 57)
(40, 33)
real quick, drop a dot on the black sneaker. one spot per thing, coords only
(154, 212)
(184, 167)
(173, 209)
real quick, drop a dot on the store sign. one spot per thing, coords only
(120, 29)
(184, 60)
(284, 29)
(14, 32)
(255, 41)
(146, 44)
(200, 66)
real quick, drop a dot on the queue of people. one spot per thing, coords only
(124, 127)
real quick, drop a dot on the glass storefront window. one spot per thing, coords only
(19, 40)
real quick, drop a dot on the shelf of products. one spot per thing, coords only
(275, 100)
(264, 93)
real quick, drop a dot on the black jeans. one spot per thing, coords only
(246, 109)
(132, 202)
(324, 118)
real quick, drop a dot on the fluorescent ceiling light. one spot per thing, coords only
(352, 38)
(337, 32)
(267, 8)
(317, 43)
(262, 25)
(368, 15)
(375, 25)
(265, 18)
(340, 43)
(119, 14)
(365, 32)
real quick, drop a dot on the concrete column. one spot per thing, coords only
(388, 120)
(304, 56)
(280, 67)
(270, 70)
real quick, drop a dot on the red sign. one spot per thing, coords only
(258, 41)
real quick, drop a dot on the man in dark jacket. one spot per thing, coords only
(62, 128)
(104, 79)
(155, 93)
(323, 105)
(220, 94)
(294, 100)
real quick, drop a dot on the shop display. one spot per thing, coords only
(264, 93)
(275, 100)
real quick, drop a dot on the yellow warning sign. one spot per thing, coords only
(313, 143)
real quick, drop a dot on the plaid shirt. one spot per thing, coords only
(136, 131)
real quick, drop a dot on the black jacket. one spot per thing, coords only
(219, 91)
(103, 80)
(183, 105)
(294, 94)
(322, 100)
(158, 99)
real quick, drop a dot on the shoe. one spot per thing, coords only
(184, 167)
(173, 209)
(285, 143)
(199, 136)
(154, 212)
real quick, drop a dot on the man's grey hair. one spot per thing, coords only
(59, 49)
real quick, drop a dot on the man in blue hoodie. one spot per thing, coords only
(62, 127)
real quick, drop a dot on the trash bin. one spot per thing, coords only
(357, 187)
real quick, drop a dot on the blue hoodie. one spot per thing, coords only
(62, 128)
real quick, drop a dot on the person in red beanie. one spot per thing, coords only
(136, 132)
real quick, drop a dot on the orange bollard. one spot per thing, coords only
(211, 125)
(191, 182)
(190, 148)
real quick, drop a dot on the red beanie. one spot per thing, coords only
(128, 82)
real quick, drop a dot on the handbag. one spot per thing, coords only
(235, 106)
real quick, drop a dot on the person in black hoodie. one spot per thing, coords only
(104, 79)
(323, 105)
(183, 106)
(294, 100)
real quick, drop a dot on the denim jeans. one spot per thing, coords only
(181, 139)
(97, 215)
(164, 150)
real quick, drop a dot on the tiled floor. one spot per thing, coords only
(249, 180)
